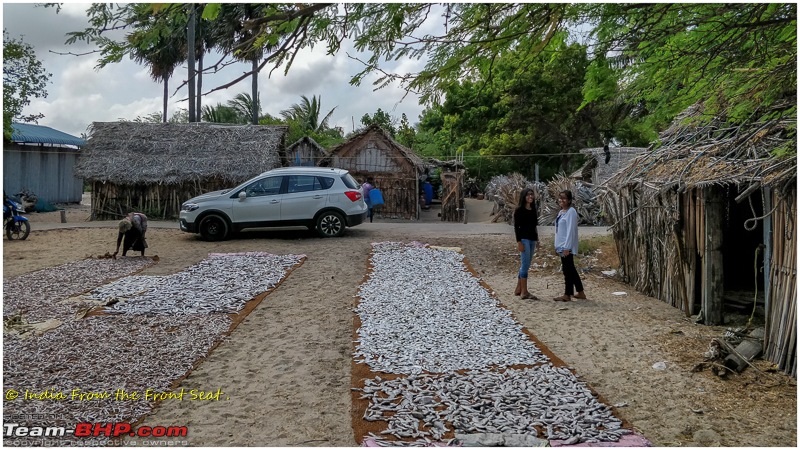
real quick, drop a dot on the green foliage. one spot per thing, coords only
(220, 113)
(734, 58)
(154, 117)
(381, 119)
(179, 116)
(267, 119)
(243, 105)
(615, 115)
(591, 244)
(476, 35)
(523, 110)
(436, 137)
(327, 138)
(406, 135)
(306, 114)
(24, 78)
(303, 119)
(211, 11)
(505, 84)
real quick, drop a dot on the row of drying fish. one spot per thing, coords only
(222, 283)
(544, 399)
(117, 355)
(421, 310)
(123, 353)
(38, 295)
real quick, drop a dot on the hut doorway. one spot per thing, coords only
(744, 255)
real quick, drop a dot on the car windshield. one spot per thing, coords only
(349, 181)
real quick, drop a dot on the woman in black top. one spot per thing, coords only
(525, 220)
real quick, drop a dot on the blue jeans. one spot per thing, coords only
(526, 256)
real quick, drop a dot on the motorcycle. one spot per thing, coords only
(17, 226)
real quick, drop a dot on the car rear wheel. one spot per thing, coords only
(330, 224)
(213, 228)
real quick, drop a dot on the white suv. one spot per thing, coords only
(316, 197)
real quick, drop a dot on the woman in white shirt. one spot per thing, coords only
(566, 243)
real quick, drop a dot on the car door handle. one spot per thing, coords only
(274, 201)
(317, 196)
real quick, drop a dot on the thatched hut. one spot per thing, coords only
(395, 168)
(304, 152)
(706, 222)
(154, 167)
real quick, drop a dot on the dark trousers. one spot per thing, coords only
(571, 277)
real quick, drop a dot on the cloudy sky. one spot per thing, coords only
(79, 95)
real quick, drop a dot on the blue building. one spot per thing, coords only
(41, 160)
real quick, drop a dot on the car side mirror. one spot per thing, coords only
(242, 195)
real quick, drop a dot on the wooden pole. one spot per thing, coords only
(682, 282)
(713, 277)
(691, 246)
(766, 195)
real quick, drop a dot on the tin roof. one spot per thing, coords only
(29, 133)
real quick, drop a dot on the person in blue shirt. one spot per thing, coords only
(365, 188)
(525, 220)
(375, 201)
(566, 243)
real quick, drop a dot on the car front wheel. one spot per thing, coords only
(330, 224)
(213, 228)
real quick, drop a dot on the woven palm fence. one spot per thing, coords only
(780, 345)
(453, 197)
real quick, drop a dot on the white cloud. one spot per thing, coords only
(76, 10)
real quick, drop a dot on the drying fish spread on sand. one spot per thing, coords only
(442, 324)
(102, 354)
(514, 401)
(222, 283)
(38, 295)
(106, 354)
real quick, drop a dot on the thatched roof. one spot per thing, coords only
(696, 156)
(357, 138)
(134, 153)
(308, 140)
(453, 164)
(596, 166)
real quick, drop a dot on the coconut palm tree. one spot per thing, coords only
(229, 32)
(307, 114)
(244, 106)
(163, 54)
(222, 114)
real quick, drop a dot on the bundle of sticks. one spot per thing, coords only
(504, 190)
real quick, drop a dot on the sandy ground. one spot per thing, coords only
(286, 367)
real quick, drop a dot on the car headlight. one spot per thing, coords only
(189, 207)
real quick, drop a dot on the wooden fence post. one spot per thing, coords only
(713, 277)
